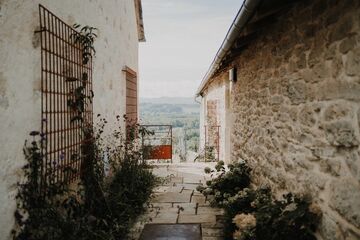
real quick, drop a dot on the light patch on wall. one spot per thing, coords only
(4, 102)
(36, 37)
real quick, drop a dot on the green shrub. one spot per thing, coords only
(253, 214)
(292, 218)
(101, 207)
(245, 201)
(129, 192)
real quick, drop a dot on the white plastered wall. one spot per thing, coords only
(20, 93)
(217, 90)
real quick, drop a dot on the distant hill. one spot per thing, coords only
(182, 113)
(168, 105)
(168, 100)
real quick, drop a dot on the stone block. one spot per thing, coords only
(338, 110)
(297, 91)
(329, 229)
(330, 53)
(301, 61)
(344, 197)
(337, 89)
(351, 235)
(276, 100)
(321, 71)
(341, 30)
(353, 62)
(307, 116)
(165, 217)
(332, 166)
(353, 161)
(347, 44)
(341, 133)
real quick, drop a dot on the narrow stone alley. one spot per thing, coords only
(177, 210)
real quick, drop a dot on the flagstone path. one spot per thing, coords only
(177, 201)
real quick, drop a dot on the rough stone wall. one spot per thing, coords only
(296, 108)
(117, 46)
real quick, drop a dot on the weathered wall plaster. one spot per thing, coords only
(117, 46)
(216, 92)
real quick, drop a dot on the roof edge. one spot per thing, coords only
(246, 11)
(139, 21)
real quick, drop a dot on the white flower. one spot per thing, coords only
(291, 207)
(244, 221)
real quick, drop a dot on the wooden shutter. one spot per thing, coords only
(131, 96)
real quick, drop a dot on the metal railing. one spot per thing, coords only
(212, 143)
(158, 145)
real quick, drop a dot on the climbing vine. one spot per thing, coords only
(85, 38)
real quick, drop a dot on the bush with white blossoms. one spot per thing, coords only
(253, 214)
(226, 183)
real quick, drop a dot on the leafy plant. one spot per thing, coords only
(253, 214)
(103, 206)
(85, 38)
(132, 184)
(292, 218)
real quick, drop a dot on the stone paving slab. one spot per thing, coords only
(170, 188)
(206, 204)
(166, 217)
(172, 197)
(193, 179)
(188, 186)
(177, 180)
(171, 232)
(192, 218)
(176, 201)
(186, 208)
(160, 205)
(198, 199)
(215, 211)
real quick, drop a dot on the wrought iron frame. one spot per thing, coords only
(61, 60)
(162, 129)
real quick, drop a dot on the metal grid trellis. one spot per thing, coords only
(61, 60)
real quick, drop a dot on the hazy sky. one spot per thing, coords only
(183, 37)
